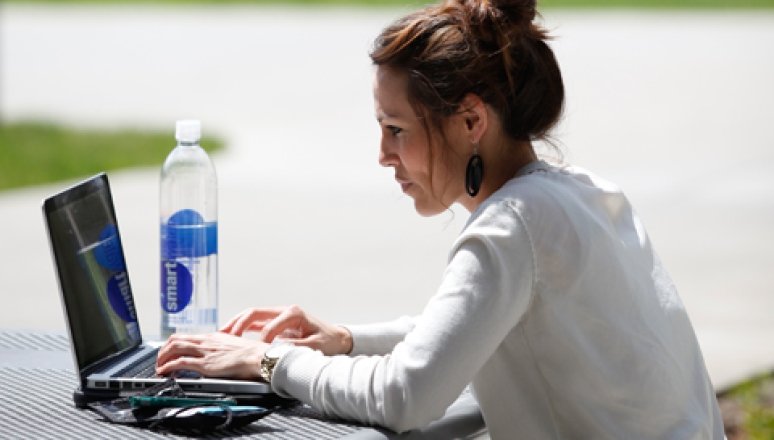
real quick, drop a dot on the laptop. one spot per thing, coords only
(108, 348)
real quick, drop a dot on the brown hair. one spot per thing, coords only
(488, 47)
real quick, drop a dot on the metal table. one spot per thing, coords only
(37, 382)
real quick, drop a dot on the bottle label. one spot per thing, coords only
(187, 235)
(108, 254)
(120, 297)
(176, 286)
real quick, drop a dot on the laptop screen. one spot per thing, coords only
(96, 294)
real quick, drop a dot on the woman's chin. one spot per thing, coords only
(427, 208)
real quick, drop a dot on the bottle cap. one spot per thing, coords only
(188, 130)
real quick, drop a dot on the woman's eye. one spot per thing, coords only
(394, 130)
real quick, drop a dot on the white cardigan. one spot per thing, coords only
(554, 306)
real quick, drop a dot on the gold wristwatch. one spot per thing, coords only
(271, 357)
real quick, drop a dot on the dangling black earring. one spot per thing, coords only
(474, 174)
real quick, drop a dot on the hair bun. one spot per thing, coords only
(517, 11)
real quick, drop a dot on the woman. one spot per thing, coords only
(553, 304)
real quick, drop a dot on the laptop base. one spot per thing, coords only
(82, 399)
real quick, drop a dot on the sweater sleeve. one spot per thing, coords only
(485, 291)
(379, 338)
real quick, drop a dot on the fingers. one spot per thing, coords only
(181, 363)
(251, 319)
(212, 355)
(290, 333)
(292, 320)
(331, 340)
(177, 347)
(236, 326)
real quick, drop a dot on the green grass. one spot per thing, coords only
(748, 409)
(680, 4)
(229, 2)
(660, 4)
(33, 153)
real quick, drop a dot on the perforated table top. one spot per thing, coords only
(36, 387)
(37, 381)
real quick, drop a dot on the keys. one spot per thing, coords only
(143, 369)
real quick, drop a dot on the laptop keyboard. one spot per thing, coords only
(144, 369)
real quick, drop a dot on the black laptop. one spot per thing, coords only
(109, 351)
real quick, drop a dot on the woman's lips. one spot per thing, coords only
(404, 184)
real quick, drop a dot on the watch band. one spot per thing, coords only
(267, 367)
(271, 357)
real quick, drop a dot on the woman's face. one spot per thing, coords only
(404, 146)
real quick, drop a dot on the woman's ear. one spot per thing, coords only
(474, 112)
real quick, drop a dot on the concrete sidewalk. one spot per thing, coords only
(674, 106)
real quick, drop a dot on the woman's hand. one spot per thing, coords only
(212, 355)
(294, 325)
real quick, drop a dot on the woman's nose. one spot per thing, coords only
(387, 155)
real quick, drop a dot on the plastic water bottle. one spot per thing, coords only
(189, 236)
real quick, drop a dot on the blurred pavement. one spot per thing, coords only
(673, 106)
